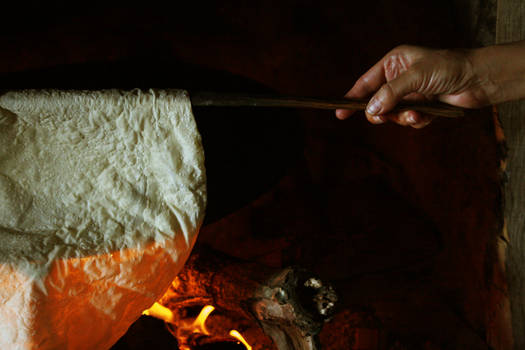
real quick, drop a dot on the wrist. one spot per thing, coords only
(499, 72)
(484, 79)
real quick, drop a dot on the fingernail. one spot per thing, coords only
(373, 107)
(377, 119)
(411, 120)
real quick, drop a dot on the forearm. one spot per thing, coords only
(500, 71)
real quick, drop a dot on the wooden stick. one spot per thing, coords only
(210, 99)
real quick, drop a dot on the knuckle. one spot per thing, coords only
(364, 82)
(405, 48)
(417, 73)
(387, 92)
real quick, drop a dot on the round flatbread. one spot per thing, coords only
(102, 194)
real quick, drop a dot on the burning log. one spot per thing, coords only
(290, 305)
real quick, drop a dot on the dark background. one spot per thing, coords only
(404, 222)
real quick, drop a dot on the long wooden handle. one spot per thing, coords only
(244, 100)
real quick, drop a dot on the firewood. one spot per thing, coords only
(290, 304)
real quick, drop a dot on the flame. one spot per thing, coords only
(240, 338)
(197, 326)
(161, 312)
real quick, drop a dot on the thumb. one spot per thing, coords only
(387, 97)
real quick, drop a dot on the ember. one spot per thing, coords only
(272, 308)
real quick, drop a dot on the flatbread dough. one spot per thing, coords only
(102, 194)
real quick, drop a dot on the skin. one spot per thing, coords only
(463, 78)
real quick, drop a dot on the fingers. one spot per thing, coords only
(343, 113)
(406, 118)
(389, 95)
(393, 91)
(367, 84)
(399, 75)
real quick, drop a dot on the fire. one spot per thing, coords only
(160, 312)
(197, 326)
(240, 338)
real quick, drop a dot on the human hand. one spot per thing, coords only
(416, 73)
